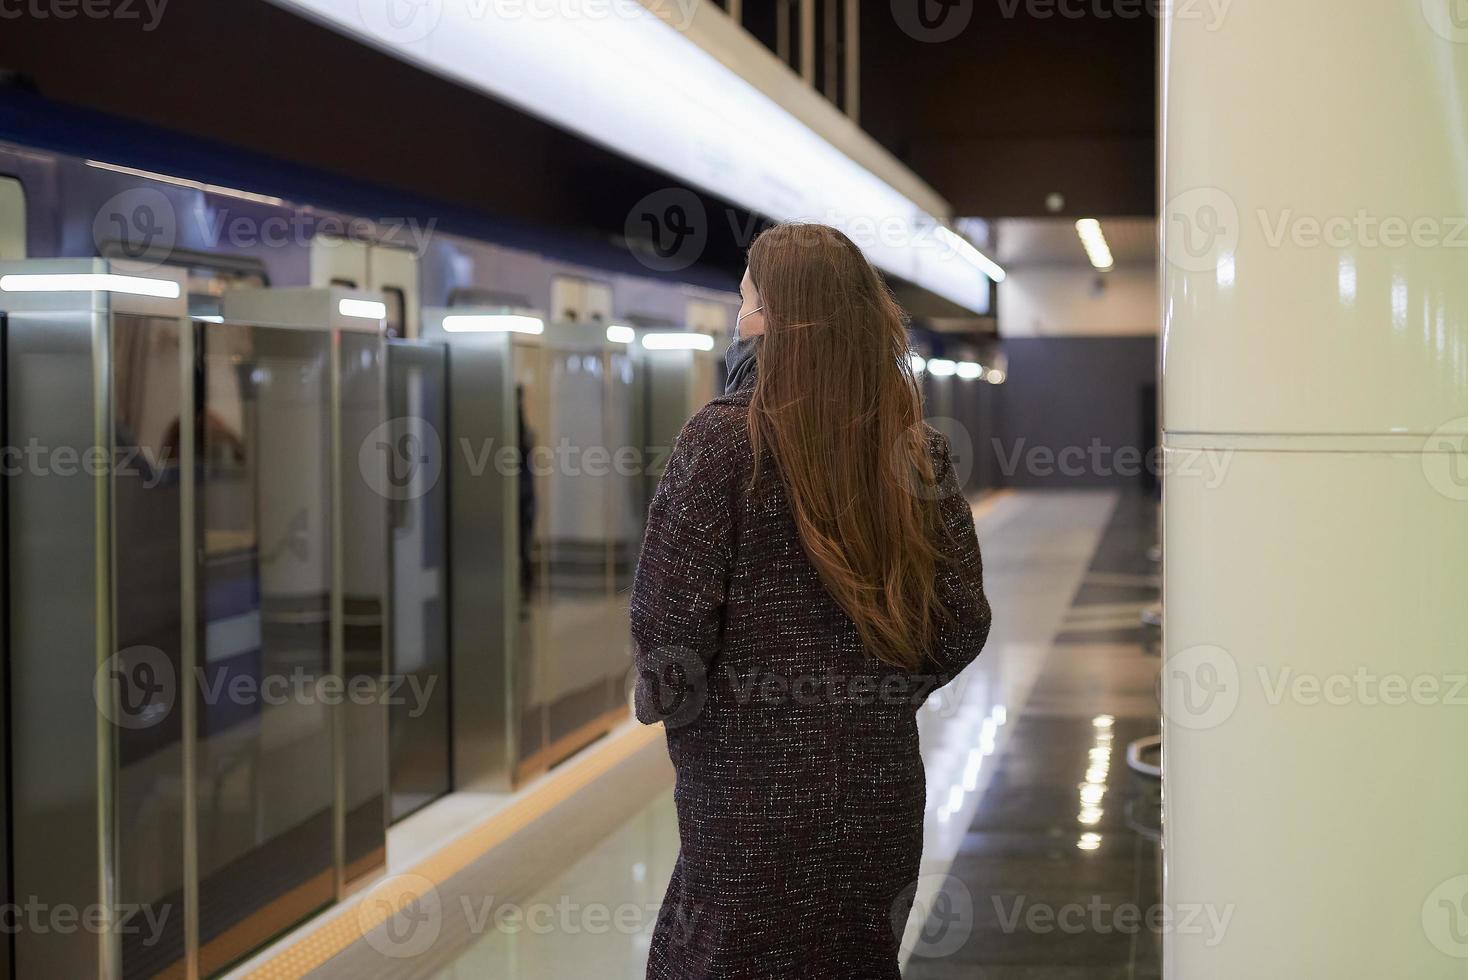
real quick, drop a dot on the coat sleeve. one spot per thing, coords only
(961, 578)
(683, 572)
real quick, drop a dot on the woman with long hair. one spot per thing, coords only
(809, 575)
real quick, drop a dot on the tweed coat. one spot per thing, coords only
(800, 790)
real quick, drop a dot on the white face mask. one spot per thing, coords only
(740, 319)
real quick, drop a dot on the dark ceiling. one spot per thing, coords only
(1031, 97)
(1011, 109)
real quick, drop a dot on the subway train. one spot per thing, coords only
(328, 515)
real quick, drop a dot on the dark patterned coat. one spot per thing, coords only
(800, 790)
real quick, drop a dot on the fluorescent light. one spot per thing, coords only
(620, 335)
(556, 67)
(941, 367)
(89, 282)
(209, 318)
(969, 370)
(970, 254)
(996, 376)
(918, 362)
(677, 341)
(493, 323)
(1094, 241)
(364, 309)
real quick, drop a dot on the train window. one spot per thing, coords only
(710, 316)
(12, 219)
(397, 311)
(578, 300)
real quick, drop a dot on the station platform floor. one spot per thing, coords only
(1041, 846)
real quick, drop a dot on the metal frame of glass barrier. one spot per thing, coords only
(144, 628)
(98, 634)
(542, 541)
(420, 765)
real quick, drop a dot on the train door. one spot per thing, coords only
(12, 220)
(578, 300)
(389, 271)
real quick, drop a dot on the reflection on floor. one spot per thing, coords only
(595, 920)
(1060, 867)
(1016, 779)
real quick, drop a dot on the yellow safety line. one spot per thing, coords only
(313, 949)
(986, 503)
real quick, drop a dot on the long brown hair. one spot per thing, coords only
(838, 406)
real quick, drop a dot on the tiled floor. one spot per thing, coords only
(1006, 749)
(1060, 865)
